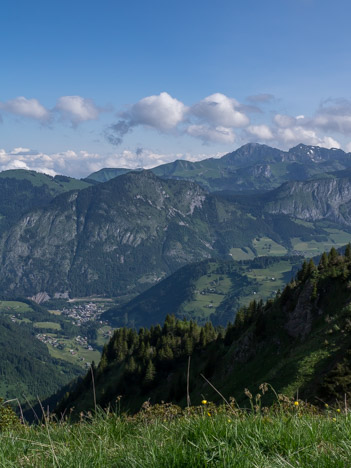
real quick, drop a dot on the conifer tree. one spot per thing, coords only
(149, 373)
(323, 262)
(333, 255)
(301, 275)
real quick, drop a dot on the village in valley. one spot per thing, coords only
(80, 348)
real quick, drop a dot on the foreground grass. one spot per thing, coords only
(244, 440)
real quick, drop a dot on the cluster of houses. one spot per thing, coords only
(83, 313)
(49, 340)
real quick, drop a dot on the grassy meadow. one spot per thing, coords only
(293, 435)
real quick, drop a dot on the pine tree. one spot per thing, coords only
(301, 275)
(311, 267)
(333, 255)
(131, 365)
(323, 262)
(189, 345)
(149, 373)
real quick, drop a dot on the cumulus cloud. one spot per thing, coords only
(162, 112)
(334, 115)
(262, 132)
(23, 107)
(77, 109)
(211, 119)
(219, 109)
(215, 134)
(300, 129)
(297, 134)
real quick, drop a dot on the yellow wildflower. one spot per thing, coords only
(296, 403)
(334, 419)
(209, 414)
(338, 410)
(204, 402)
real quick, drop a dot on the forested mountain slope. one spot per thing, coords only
(300, 341)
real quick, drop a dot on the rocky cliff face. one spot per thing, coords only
(327, 198)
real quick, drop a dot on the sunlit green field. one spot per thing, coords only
(242, 254)
(52, 325)
(266, 246)
(14, 306)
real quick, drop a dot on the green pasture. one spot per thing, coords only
(265, 246)
(52, 325)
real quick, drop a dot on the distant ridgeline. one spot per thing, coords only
(120, 232)
(298, 341)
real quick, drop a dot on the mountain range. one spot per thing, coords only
(253, 167)
(124, 235)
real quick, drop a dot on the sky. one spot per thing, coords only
(109, 83)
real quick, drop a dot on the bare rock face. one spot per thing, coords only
(299, 321)
(328, 198)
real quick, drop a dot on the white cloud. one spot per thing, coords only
(297, 134)
(24, 107)
(162, 112)
(77, 109)
(212, 119)
(284, 121)
(221, 110)
(215, 134)
(262, 132)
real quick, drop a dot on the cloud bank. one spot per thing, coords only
(221, 119)
(74, 109)
(82, 163)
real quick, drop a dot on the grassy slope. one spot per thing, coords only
(242, 441)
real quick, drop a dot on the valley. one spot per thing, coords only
(198, 241)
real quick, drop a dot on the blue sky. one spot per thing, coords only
(90, 84)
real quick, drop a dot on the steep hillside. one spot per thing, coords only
(27, 370)
(298, 342)
(22, 190)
